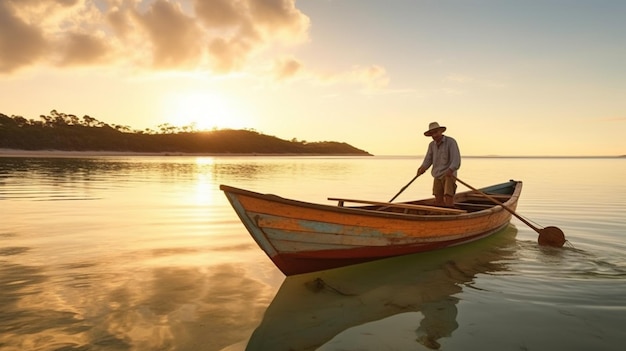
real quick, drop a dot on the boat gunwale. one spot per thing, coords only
(363, 211)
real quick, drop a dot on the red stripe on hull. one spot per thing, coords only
(312, 261)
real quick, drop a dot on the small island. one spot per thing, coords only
(69, 133)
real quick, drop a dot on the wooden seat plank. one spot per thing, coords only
(398, 205)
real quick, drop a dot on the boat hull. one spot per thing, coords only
(301, 237)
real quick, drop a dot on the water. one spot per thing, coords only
(145, 253)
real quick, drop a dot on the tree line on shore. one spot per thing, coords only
(67, 132)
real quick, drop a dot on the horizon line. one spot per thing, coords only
(521, 156)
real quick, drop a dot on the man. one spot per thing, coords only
(443, 154)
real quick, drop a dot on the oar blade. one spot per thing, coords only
(551, 236)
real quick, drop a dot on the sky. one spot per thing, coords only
(506, 77)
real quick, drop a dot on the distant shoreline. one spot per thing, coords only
(64, 153)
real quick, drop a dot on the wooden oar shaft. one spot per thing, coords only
(403, 188)
(501, 204)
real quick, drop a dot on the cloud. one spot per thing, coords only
(82, 48)
(278, 17)
(221, 35)
(228, 54)
(175, 38)
(286, 68)
(238, 28)
(374, 76)
(219, 13)
(20, 43)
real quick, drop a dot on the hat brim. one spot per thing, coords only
(432, 131)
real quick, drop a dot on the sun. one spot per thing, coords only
(205, 111)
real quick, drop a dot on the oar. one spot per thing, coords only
(550, 236)
(401, 190)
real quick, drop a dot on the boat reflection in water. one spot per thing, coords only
(361, 305)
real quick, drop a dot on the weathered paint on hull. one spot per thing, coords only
(313, 261)
(302, 237)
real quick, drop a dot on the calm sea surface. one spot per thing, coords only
(145, 253)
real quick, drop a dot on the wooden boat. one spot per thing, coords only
(301, 237)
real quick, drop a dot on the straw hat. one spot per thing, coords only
(433, 127)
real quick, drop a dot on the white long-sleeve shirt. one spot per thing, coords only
(442, 157)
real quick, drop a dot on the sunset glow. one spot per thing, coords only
(204, 111)
(512, 78)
